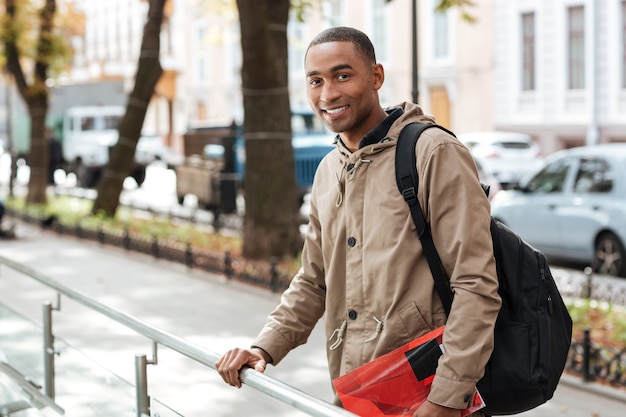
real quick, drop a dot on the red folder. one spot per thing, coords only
(396, 384)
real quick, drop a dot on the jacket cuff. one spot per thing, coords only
(273, 343)
(451, 393)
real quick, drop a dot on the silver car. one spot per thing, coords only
(507, 156)
(574, 208)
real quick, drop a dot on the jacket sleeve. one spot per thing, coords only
(301, 305)
(458, 212)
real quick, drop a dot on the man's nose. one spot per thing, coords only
(330, 92)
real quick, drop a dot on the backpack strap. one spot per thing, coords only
(407, 179)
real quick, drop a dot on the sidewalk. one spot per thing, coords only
(203, 308)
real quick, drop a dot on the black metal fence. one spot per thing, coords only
(597, 363)
(264, 274)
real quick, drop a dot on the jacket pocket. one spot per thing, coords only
(413, 322)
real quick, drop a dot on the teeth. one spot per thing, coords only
(335, 111)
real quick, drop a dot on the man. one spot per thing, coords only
(362, 262)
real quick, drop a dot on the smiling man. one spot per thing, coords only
(362, 262)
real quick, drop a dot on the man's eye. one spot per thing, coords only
(343, 76)
(314, 81)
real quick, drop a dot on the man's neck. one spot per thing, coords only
(353, 140)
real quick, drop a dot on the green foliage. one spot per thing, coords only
(70, 211)
(461, 4)
(24, 30)
(301, 7)
(605, 320)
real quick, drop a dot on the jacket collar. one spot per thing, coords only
(378, 133)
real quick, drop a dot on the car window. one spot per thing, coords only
(594, 176)
(513, 145)
(550, 179)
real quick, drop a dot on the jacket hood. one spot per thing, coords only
(412, 113)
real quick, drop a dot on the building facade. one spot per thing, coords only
(560, 70)
(554, 69)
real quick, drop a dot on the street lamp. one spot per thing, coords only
(415, 89)
(414, 57)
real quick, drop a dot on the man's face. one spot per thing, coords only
(342, 88)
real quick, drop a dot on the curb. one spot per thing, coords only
(595, 388)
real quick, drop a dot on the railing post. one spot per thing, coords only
(141, 384)
(48, 347)
(141, 381)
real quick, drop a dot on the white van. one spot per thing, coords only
(88, 135)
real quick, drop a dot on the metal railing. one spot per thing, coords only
(263, 383)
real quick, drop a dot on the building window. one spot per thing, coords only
(441, 45)
(380, 34)
(297, 44)
(528, 51)
(576, 47)
(201, 58)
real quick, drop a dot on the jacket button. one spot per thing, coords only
(351, 241)
(352, 315)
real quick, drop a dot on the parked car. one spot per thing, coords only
(311, 141)
(574, 208)
(508, 156)
(488, 179)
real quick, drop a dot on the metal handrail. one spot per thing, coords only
(261, 382)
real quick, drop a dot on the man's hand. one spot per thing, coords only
(229, 365)
(428, 409)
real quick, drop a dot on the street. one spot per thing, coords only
(202, 308)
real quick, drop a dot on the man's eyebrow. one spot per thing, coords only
(336, 68)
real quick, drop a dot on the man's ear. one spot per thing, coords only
(378, 76)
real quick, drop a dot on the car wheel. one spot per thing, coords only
(610, 256)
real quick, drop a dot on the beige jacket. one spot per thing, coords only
(363, 265)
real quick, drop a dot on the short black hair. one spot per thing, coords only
(360, 40)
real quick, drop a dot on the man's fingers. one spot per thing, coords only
(260, 366)
(230, 364)
(228, 367)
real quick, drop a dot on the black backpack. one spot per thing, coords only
(533, 330)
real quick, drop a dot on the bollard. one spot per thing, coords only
(78, 230)
(155, 246)
(126, 238)
(100, 234)
(228, 264)
(273, 274)
(587, 288)
(188, 255)
(586, 355)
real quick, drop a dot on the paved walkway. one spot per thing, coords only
(203, 308)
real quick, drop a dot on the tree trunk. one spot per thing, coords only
(39, 150)
(35, 95)
(122, 156)
(271, 207)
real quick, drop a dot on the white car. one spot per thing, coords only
(574, 208)
(508, 156)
